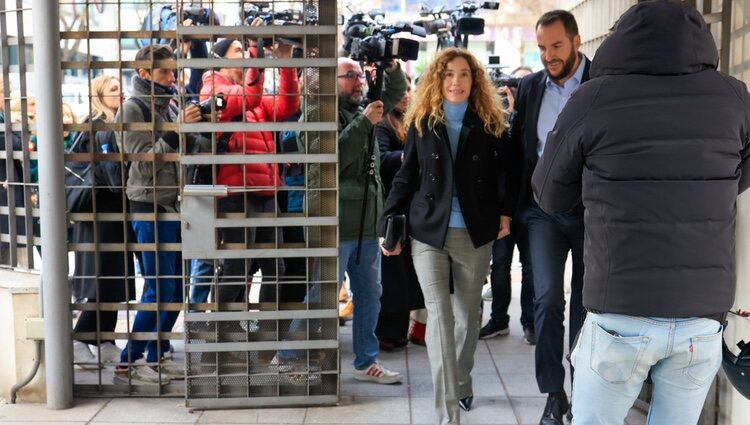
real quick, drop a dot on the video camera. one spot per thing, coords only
(307, 16)
(459, 22)
(216, 102)
(165, 19)
(499, 78)
(381, 46)
(199, 15)
(367, 39)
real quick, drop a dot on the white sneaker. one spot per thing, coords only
(296, 374)
(108, 353)
(379, 374)
(172, 369)
(140, 373)
(82, 356)
(487, 292)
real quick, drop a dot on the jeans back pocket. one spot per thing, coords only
(705, 357)
(613, 357)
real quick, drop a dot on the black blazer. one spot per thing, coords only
(524, 121)
(486, 175)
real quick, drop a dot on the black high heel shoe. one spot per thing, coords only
(465, 403)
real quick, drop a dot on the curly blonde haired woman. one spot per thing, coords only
(458, 185)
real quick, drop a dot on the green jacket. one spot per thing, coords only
(355, 130)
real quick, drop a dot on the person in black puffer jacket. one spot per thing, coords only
(656, 147)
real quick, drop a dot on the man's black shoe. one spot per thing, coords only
(529, 336)
(465, 403)
(493, 329)
(557, 405)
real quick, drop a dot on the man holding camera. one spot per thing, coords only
(152, 188)
(245, 102)
(359, 168)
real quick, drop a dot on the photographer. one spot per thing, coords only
(167, 18)
(153, 187)
(245, 102)
(359, 168)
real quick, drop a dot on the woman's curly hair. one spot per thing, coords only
(428, 100)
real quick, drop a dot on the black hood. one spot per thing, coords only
(657, 38)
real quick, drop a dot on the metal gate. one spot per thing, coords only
(227, 350)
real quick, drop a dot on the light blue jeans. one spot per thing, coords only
(615, 353)
(201, 274)
(364, 282)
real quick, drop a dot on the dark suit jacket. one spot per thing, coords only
(486, 175)
(524, 122)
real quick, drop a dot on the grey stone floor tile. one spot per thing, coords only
(521, 385)
(420, 385)
(422, 410)
(514, 363)
(482, 348)
(487, 386)
(252, 416)
(83, 410)
(485, 410)
(132, 410)
(22, 421)
(352, 387)
(282, 415)
(123, 423)
(362, 410)
(246, 416)
(513, 344)
(528, 409)
(483, 364)
(490, 410)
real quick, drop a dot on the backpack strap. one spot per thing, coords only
(145, 109)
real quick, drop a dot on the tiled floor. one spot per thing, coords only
(504, 387)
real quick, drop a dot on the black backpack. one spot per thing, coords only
(83, 177)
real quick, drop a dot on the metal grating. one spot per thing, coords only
(226, 347)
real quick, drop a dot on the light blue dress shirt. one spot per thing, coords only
(454, 120)
(553, 101)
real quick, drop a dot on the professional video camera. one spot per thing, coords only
(216, 102)
(307, 16)
(165, 19)
(459, 22)
(270, 17)
(499, 78)
(380, 46)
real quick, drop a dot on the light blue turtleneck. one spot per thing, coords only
(454, 119)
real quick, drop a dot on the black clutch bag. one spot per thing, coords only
(395, 231)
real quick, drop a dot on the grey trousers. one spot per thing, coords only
(452, 321)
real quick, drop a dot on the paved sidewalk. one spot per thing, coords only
(504, 387)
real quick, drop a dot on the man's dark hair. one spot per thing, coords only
(154, 52)
(567, 19)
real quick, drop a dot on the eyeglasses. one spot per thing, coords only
(352, 76)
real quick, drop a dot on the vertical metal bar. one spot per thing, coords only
(726, 35)
(58, 352)
(25, 121)
(8, 139)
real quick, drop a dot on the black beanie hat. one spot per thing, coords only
(221, 47)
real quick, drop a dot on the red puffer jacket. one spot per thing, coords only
(258, 108)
